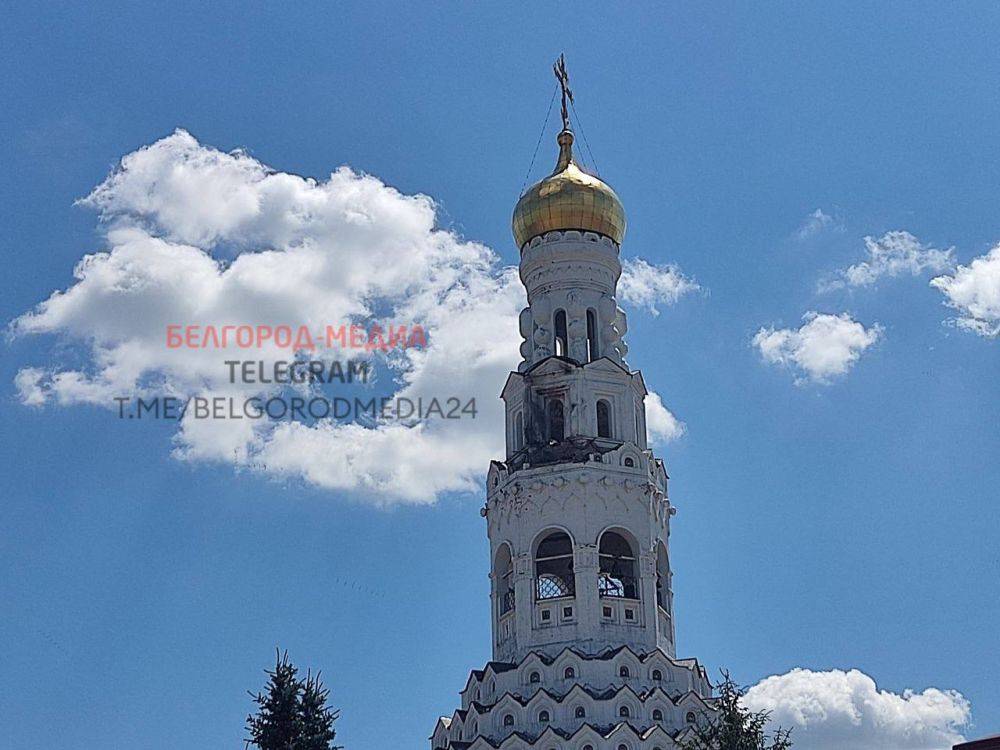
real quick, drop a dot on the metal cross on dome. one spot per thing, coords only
(559, 68)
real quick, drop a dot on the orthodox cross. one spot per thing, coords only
(563, 77)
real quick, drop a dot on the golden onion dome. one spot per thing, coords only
(569, 198)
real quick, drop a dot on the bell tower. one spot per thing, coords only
(578, 514)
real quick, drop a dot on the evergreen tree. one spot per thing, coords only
(276, 723)
(316, 718)
(734, 726)
(291, 713)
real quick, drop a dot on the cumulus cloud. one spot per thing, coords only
(893, 254)
(645, 285)
(822, 348)
(839, 710)
(815, 223)
(662, 425)
(196, 236)
(974, 291)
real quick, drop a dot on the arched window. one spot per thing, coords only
(629, 462)
(603, 419)
(592, 349)
(623, 712)
(543, 717)
(534, 678)
(554, 567)
(557, 422)
(580, 713)
(508, 720)
(623, 672)
(560, 344)
(623, 746)
(690, 718)
(618, 573)
(657, 675)
(588, 747)
(518, 431)
(657, 714)
(569, 673)
(504, 574)
(662, 577)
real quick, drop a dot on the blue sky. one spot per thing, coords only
(839, 525)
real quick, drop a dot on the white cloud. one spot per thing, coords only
(646, 285)
(974, 291)
(892, 254)
(839, 710)
(822, 348)
(29, 389)
(662, 425)
(815, 223)
(195, 236)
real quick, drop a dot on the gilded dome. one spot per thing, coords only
(569, 198)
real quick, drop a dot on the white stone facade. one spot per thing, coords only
(578, 519)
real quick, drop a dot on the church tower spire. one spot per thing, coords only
(578, 515)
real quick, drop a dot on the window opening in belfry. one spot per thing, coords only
(554, 567)
(505, 580)
(617, 567)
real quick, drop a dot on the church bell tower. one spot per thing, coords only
(578, 514)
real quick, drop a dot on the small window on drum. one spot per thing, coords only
(690, 718)
(560, 343)
(603, 419)
(543, 717)
(592, 348)
(657, 714)
(508, 720)
(534, 678)
(569, 674)
(623, 672)
(580, 713)
(623, 712)
(556, 421)
(657, 675)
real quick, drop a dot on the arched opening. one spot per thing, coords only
(657, 714)
(554, 567)
(657, 675)
(580, 713)
(662, 578)
(508, 720)
(543, 717)
(592, 349)
(518, 431)
(623, 712)
(534, 678)
(557, 420)
(623, 672)
(690, 718)
(603, 419)
(503, 571)
(560, 345)
(618, 572)
(629, 462)
(569, 673)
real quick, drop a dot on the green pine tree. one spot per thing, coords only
(291, 712)
(275, 725)
(316, 719)
(734, 727)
